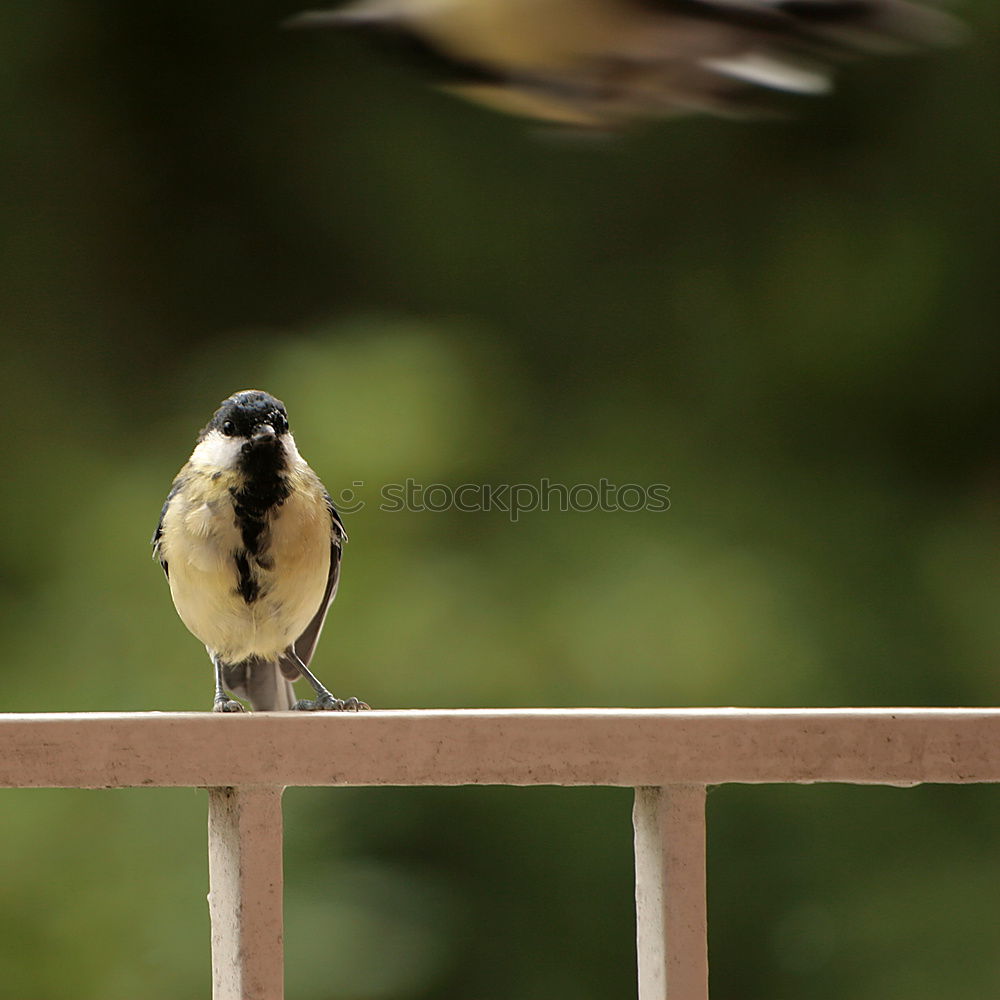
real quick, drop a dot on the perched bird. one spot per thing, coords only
(250, 542)
(601, 63)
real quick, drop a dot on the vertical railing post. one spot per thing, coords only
(671, 920)
(245, 896)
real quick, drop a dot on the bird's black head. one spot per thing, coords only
(250, 414)
(248, 431)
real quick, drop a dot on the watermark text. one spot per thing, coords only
(512, 499)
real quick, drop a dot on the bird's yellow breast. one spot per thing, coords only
(239, 602)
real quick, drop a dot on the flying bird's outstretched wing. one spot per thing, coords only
(603, 62)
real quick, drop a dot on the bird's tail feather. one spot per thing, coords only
(261, 683)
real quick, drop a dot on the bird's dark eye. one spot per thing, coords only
(228, 428)
(280, 422)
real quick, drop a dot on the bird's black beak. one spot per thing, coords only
(263, 433)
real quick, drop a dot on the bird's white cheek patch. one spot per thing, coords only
(295, 460)
(216, 451)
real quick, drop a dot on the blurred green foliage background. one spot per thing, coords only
(793, 324)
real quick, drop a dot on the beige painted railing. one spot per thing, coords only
(669, 756)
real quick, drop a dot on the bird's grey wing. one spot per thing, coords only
(305, 645)
(157, 538)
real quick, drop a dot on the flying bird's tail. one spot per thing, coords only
(262, 683)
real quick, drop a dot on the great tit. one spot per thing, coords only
(600, 63)
(250, 542)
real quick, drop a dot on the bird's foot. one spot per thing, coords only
(226, 704)
(326, 702)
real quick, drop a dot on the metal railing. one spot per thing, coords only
(668, 755)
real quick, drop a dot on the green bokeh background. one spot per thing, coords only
(793, 324)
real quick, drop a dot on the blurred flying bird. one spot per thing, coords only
(601, 63)
(250, 542)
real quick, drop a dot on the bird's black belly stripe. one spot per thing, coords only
(247, 587)
(252, 505)
(264, 490)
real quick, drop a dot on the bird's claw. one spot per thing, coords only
(227, 705)
(353, 704)
(327, 703)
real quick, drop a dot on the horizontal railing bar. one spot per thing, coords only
(624, 747)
